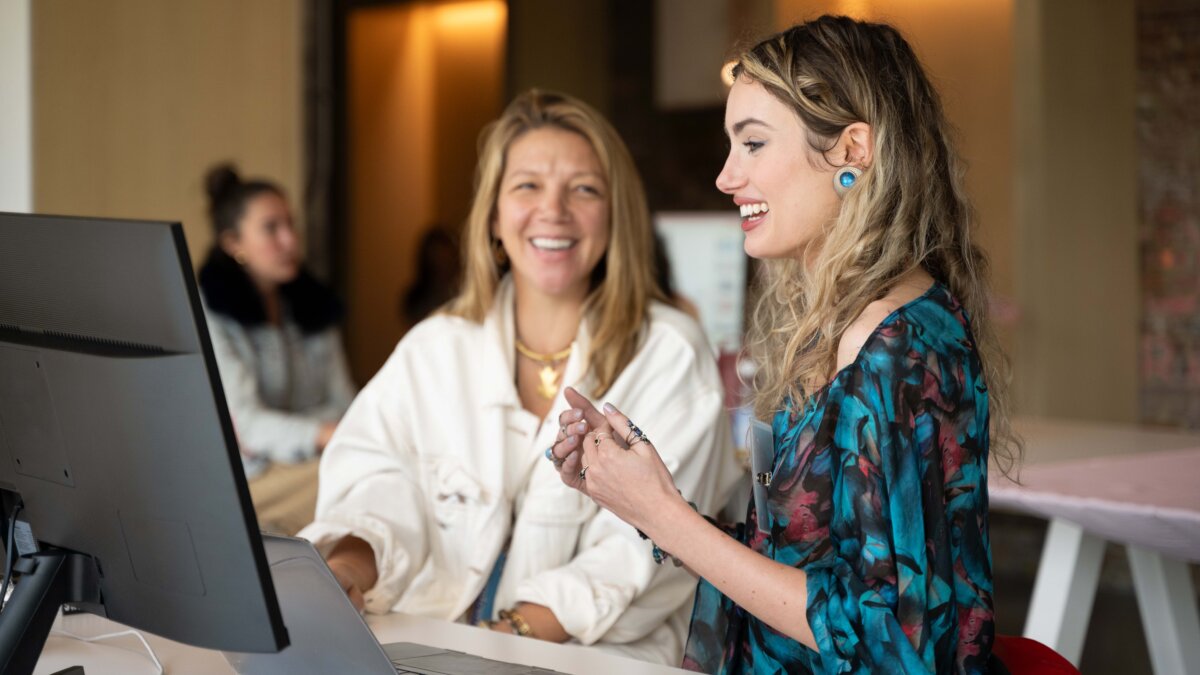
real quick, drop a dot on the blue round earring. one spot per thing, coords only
(844, 179)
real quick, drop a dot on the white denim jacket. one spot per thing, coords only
(417, 468)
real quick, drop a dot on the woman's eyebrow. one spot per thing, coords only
(737, 127)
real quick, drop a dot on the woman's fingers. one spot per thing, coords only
(569, 470)
(585, 435)
(579, 402)
(629, 434)
(357, 599)
(569, 417)
(574, 424)
(567, 440)
(346, 579)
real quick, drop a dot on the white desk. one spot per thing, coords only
(1099, 483)
(126, 656)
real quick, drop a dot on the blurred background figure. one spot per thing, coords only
(666, 282)
(437, 279)
(275, 334)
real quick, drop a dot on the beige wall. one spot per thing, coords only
(424, 77)
(134, 99)
(1076, 206)
(966, 48)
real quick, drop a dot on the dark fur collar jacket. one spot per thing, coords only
(229, 291)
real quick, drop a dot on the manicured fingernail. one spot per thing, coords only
(581, 427)
(609, 409)
(575, 414)
(570, 440)
(550, 453)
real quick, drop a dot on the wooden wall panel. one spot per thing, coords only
(134, 99)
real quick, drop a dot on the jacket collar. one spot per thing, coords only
(499, 328)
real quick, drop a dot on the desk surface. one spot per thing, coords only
(1051, 440)
(1124, 483)
(126, 656)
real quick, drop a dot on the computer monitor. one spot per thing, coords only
(117, 455)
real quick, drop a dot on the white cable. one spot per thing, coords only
(107, 636)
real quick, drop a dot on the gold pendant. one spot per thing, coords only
(549, 386)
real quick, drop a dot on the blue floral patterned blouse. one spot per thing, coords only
(879, 493)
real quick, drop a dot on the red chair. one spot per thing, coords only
(1025, 656)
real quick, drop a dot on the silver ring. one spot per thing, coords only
(583, 473)
(634, 433)
(596, 439)
(640, 439)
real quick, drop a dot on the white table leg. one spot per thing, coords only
(1167, 603)
(1065, 588)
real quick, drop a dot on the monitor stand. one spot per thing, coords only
(49, 578)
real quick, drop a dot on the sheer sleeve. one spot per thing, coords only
(907, 586)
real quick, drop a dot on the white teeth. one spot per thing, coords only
(551, 244)
(754, 209)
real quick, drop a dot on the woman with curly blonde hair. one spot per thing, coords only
(878, 366)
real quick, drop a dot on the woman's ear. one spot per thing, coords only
(228, 241)
(856, 145)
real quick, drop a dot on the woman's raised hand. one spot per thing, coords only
(610, 459)
(575, 424)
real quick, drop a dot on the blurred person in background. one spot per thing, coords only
(279, 350)
(437, 279)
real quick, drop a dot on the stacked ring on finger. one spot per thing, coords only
(636, 435)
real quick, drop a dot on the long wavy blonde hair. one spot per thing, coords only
(622, 284)
(909, 209)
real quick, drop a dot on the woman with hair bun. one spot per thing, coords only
(868, 549)
(275, 334)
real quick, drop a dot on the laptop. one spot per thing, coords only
(329, 636)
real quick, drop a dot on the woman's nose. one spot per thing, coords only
(554, 203)
(730, 178)
(287, 237)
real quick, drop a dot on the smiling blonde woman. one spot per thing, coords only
(432, 499)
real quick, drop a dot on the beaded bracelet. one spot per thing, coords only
(520, 625)
(660, 555)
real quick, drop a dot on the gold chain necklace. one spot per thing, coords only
(549, 373)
